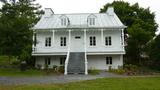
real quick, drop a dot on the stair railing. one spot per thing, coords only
(66, 63)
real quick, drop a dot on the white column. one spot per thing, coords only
(121, 59)
(69, 40)
(85, 40)
(53, 31)
(86, 62)
(33, 38)
(123, 39)
(102, 40)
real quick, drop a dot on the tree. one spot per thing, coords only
(141, 27)
(16, 21)
(154, 52)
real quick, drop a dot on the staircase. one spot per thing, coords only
(76, 64)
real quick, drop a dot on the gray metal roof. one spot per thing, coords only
(102, 20)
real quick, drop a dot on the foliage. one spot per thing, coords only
(93, 72)
(141, 27)
(154, 52)
(130, 83)
(16, 21)
(117, 71)
(131, 69)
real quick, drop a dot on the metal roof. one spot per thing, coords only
(102, 20)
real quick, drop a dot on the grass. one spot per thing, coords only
(129, 83)
(17, 72)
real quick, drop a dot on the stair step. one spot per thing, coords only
(76, 64)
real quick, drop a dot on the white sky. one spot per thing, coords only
(93, 6)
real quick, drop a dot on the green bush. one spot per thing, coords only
(93, 71)
(117, 71)
(131, 69)
(61, 69)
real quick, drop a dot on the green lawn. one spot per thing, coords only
(132, 83)
(17, 72)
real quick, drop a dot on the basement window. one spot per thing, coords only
(108, 60)
(47, 61)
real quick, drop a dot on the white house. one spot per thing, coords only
(79, 41)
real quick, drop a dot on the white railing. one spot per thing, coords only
(86, 64)
(68, 54)
(66, 63)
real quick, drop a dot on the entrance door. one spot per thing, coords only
(77, 41)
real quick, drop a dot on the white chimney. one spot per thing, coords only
(48, 12)
(110, 11)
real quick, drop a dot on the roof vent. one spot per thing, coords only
(110, 11)
(48, 12)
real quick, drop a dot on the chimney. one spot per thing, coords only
(110, 11)
(48, 12)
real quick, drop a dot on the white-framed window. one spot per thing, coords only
(62, 60)
(108, 41)
(48, 41)
(92, 40)
(62, 41)
(63, 21)
(47, 61)
(91, 21)
(108, 60)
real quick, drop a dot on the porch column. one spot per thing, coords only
(34, 41)
(122, 39)
(102, 37)
(69, 40)
(121, 59)
(53, 31)
(86, 62)
(85, 40)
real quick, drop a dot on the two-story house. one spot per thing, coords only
(80, 41)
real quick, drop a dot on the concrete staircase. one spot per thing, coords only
(76, 64)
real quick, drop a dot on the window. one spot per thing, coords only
(47, 61)
(92, 41)
(77, 37)
(108, 41)
(108, 60)
(91, 21)
(63, 21)
(48, 42)
(62, 60)
(63, 41)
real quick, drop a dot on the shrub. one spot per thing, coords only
(117, 71)
(131, 69)
(61, 69)
(39, 66)
(93, 71)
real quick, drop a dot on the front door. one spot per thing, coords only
(77, 41)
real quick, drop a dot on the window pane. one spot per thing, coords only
(107, 61)
(109, 40)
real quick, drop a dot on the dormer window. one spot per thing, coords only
(63, 21)
(91, 20)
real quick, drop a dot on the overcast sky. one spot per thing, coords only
(93, 6)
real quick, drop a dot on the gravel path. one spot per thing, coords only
(4, 80)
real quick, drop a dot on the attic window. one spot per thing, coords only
(63, 21)
(91, 21)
